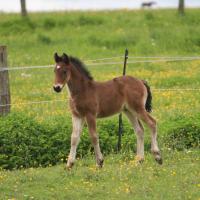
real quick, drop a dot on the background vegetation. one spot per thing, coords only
(27, 143)
(38, 135)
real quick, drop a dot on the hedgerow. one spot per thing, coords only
(184, 133)
(25, 142)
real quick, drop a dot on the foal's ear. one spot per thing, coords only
(65, 58)
(57, 58)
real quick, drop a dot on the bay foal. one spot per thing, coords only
(90, 100)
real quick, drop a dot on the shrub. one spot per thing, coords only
(184, 133)
(24, 142)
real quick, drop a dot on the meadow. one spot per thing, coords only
(120, 178)
(91, 35)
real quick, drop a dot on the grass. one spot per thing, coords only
(100, 34)
(91, 35)
(121, 177)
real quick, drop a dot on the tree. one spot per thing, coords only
(181, 7)
(23, 8)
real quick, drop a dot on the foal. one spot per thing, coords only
(90, 100)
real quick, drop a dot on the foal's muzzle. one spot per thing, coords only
(57, 88)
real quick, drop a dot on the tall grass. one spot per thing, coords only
(99, 34)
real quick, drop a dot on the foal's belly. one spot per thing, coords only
(110, 107)
(103, 114)
(110, 97)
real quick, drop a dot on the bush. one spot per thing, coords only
(24, 142)
(184, 134)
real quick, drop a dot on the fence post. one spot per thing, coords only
(4, 83)
(120, 129)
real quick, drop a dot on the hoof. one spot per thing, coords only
(69, 166)
(159, 160)
(139, 159)
(157, 157)
(100, 163)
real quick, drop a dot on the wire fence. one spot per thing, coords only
(34, 102)
(96, 62)
(67, 99)
(153, 59)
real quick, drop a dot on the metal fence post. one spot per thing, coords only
(120, 129)
(4, 83)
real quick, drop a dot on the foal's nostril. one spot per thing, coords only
(57, 88)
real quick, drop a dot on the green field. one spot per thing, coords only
(91, 35)
(121, 177)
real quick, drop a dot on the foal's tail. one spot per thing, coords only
(148, 104)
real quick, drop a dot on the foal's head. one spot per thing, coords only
(62, 71)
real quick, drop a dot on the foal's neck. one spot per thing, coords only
(77, 84)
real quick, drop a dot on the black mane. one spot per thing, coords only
(80, 67)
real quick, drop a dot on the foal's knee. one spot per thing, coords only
(94, 139)
(153, 125)
(140, 133)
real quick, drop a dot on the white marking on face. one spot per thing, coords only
(58, 67)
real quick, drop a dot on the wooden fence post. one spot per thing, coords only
(4, 83)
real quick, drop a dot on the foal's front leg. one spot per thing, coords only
(91, 121)
(75, 137)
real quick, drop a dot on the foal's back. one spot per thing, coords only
(120, 86)
(114, 95)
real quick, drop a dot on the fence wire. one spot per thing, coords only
(88, 62)
(34, 102)
(95, 62)
(67, 99)
(146, 57)
(176, 89)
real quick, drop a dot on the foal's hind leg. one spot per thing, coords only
(75, 137)
(151, 122)
(91, 121)
(139, 130)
